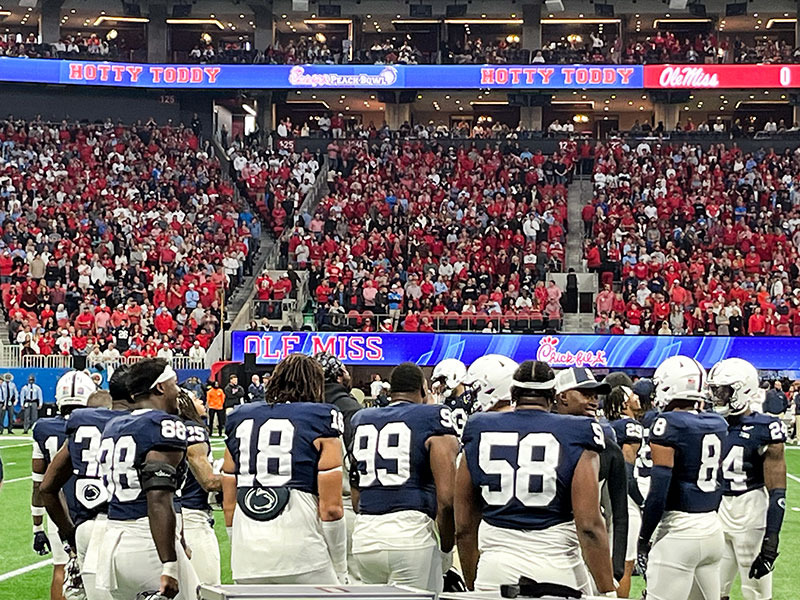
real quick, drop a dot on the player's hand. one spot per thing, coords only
(762, 566)
(41, 545)
(642, 553)
(169, 586)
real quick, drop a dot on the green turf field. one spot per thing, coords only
(16, 537)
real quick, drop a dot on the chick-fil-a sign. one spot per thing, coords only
(548, 352)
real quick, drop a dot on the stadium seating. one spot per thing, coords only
(695, 242)
(107, 226)
(454, 238)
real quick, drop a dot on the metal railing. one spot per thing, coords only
(11, 357)
(445, 322)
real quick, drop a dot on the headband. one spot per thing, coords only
(169, 373)
(534, 385)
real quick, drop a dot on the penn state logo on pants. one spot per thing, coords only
(262, 504)
(90, 493)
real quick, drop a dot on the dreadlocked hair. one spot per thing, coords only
(297, 378)
(615, 401)
(186, 408)
(532, 371)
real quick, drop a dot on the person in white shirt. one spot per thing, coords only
(197, 353)
(111, 355)
(165, 352)
(376, 386)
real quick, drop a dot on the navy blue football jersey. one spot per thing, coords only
(743, 462)
(272, 445)
(523, 462)
(644, 461)
(698, 440)
(193, 495)
(461, 407)
(391, 459)
(627, 431)
(123, 450)
(85, 432)
(49, 434)
(608, 430)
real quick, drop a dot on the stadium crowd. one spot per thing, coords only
(117, 241)
(414, 235)
(597, 48)
(688, 241)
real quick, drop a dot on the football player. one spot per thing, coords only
(491, 377)
(753, 480)
(577, 393)
(527, 493)
(449, 388)
(198, 528)
(644, 390)
(143, 464)
(621, 407)
(78, 457)
(72, 391)
(685, 492)
(404, 469)
(284, 507)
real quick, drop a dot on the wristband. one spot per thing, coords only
(170, 569)
(229, 531)
(37, 511)
(38, 528)
(37, 477)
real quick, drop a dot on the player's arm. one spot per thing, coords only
(618, 496)
(442, 450)
(202, 469)
(331, 507)
(656, 502)
(589, 521)
(228, 490)
(775, 480)
(55, 478)
(629, 452)
(41, 545)
(160, 481)
(467, 518)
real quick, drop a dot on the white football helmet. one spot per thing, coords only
(447, 376)
(491, 376)
(734, 384)
(74, 389)
(680, 378)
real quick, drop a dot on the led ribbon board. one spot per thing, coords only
(602, 351)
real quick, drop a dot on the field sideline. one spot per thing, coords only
(16, 554)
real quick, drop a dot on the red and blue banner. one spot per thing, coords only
(559, 350)
(321, 77)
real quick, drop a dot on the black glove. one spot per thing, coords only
(765, 561)
(41, 545)
(453, 582)
(642, 553)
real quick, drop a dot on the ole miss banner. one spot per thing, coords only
(720, 77)
(600, 351)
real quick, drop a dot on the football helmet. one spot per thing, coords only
(680, 378)
(491, 376)
(734, 385)
(447, 376)
(74, 389)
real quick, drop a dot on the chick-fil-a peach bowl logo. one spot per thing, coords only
(548, 352)
(298, 76)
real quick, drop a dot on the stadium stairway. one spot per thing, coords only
(578, 194)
